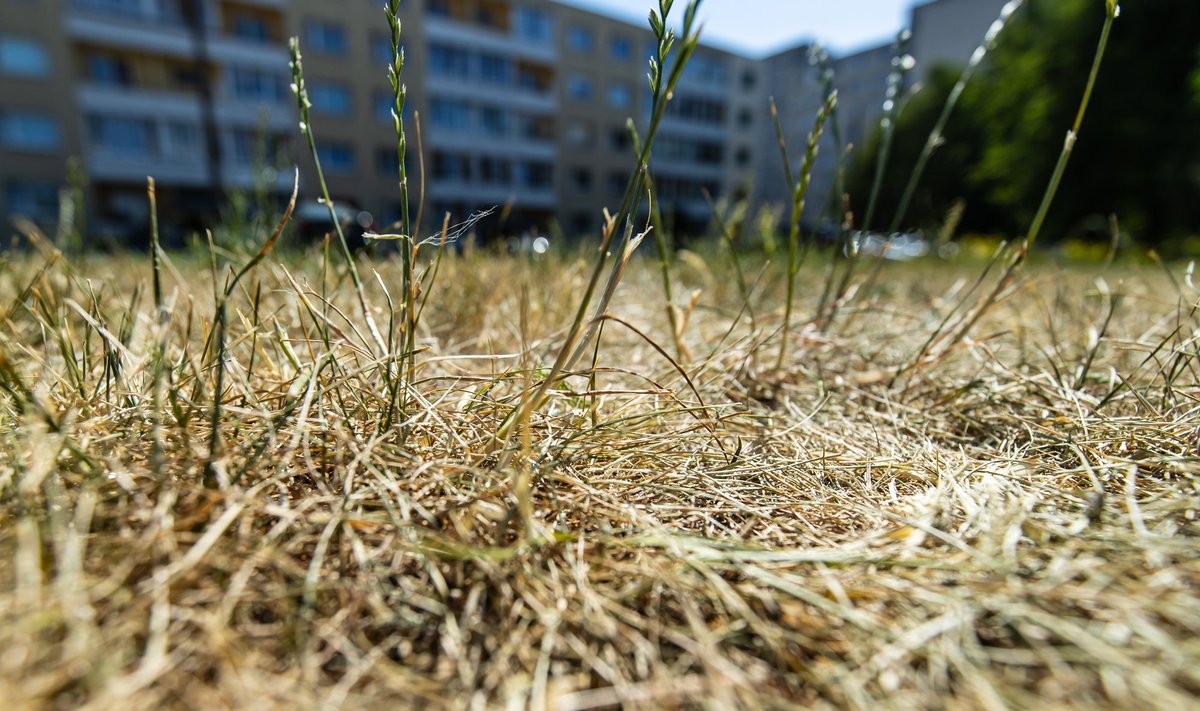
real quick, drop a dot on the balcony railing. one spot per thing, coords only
(162, 28)
(132, 11)
(488, 39)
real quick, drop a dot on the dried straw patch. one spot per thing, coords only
(1010, 522)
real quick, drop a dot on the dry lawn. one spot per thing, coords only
(1009, 522)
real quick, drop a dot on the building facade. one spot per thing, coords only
(521, 105)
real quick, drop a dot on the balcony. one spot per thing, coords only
(227, 49)
(691, 128)
(506, 146)
(103, 98)
(487, 40)
(120, 23)
(112, 23)
(118, 166)
(510, 96)
(692, 168)
(487, 195)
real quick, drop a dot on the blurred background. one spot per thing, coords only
(523, 106)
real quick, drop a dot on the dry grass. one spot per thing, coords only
(992, 528)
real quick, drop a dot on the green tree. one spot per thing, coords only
(942, 184)
(1138, 154)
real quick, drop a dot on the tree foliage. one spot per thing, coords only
(1138, 154)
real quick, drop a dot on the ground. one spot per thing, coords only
(954, 491)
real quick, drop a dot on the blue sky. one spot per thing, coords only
(757, 27)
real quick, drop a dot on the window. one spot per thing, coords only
(438, 8)
(36, 201)
(488, 17)
(252, 148)
(532, 80)
(250, 27)
(619, 140)
(538, 128)
(451, 166)
(579, 39)
(330, 98)
(579, 134)
(186, 77)
(742, 156)
(325, 37)
(690, 151)
(251, 84)
(697, 109)
(617, 182)
(123, 7)
(381, 49)
(493, 120)
(28, 130)
(494, 69)
(184, 137)
(245, 146)
(579, 87)
(387, 162)
(581, 180)
(382, 105)
(336, 158)
(495, 171)
(172, 11)
(450, 115)
(620, 49)
(707, 69)
(620, 96)
(23, 57)
(449, 61)
(679, 188)
(121, 134)
(745, 118)
(709, 153)
(108, 70)
(536, 174)
(749, 79)
(534, 25)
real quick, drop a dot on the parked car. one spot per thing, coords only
(898, 247)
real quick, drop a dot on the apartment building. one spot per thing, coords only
(492, 114)
(705, 144)
(37, 126)
(522, 106)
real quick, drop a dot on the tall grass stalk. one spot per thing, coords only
(664, 250)
(729, 233)
(799, 193)
(212, 471)
(834, 202)
(408, 246)
(1112, 12)
(300, 91)
(935, 136)
(662, 86)
(902, 63)
(161, 321)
